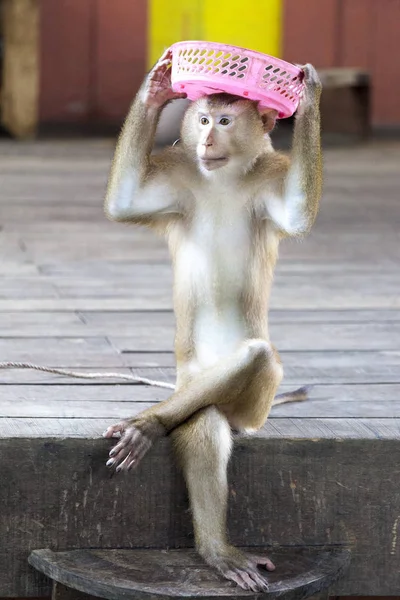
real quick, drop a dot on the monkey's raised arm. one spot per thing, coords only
(139, 186)
(294, 209)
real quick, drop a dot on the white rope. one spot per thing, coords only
(67, 373)
(296, 396)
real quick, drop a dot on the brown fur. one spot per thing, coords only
(166, 192)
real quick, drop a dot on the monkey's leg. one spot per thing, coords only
(203, 445)
(243, 385)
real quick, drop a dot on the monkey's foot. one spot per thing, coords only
(241, 568)
(136, 438)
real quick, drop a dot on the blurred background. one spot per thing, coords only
(74, 65)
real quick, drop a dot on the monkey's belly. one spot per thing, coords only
(217, 333)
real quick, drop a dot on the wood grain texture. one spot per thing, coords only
(282, 492)
(79, 292)
(148, 574)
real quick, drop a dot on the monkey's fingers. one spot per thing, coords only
(134, 455)
(114, 430)
(130, 450)
(166, 56)
(128, 438)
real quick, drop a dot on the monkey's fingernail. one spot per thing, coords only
(104, 434)
(112, 451)
(110, 462)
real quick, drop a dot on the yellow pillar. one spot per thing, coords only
(254, 24)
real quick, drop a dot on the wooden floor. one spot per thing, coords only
(80, 292)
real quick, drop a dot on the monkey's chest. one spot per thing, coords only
(215, 257)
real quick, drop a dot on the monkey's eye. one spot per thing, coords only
(204, 121)
(224, 121)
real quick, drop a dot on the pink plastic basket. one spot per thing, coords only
(202, 68)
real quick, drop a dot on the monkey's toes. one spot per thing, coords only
(262, 560)
(241, 568)
(247, 578)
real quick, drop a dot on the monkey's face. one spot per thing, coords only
(223, 131)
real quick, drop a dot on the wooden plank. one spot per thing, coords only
(155, 330)
(144, 574)
(120, 401)
(308, 428)
(300, 368)
(43, 324)
(126, 321)
(58, 352)
(312, 298)
(294, 336)
(26, 376)
(281, 492)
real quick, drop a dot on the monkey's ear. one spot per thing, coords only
(268, 117)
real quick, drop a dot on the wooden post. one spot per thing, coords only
(20, 87)
(62, 592)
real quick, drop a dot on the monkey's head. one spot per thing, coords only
(222, 130)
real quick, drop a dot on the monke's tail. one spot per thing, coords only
(296, 396)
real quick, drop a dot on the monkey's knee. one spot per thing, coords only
(262, 356)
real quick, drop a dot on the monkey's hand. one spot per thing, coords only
(156, 90)
(137, 435)
(312, 88)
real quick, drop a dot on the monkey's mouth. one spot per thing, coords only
(214, 163)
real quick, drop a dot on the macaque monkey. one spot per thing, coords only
(223, 198)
